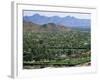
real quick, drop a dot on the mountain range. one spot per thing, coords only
(33, 27)
(64, 21)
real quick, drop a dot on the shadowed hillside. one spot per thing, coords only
(29, 26)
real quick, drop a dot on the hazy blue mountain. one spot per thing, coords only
(65, 21)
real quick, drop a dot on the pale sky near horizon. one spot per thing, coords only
(60, 14)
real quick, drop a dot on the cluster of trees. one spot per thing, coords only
(48, 46)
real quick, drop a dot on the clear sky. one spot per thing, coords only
(50, 14)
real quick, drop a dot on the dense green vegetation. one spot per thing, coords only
(56, 48)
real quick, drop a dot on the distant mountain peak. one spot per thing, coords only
(71, 17)
(36, 15)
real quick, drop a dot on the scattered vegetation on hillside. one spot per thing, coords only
(48, 48)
